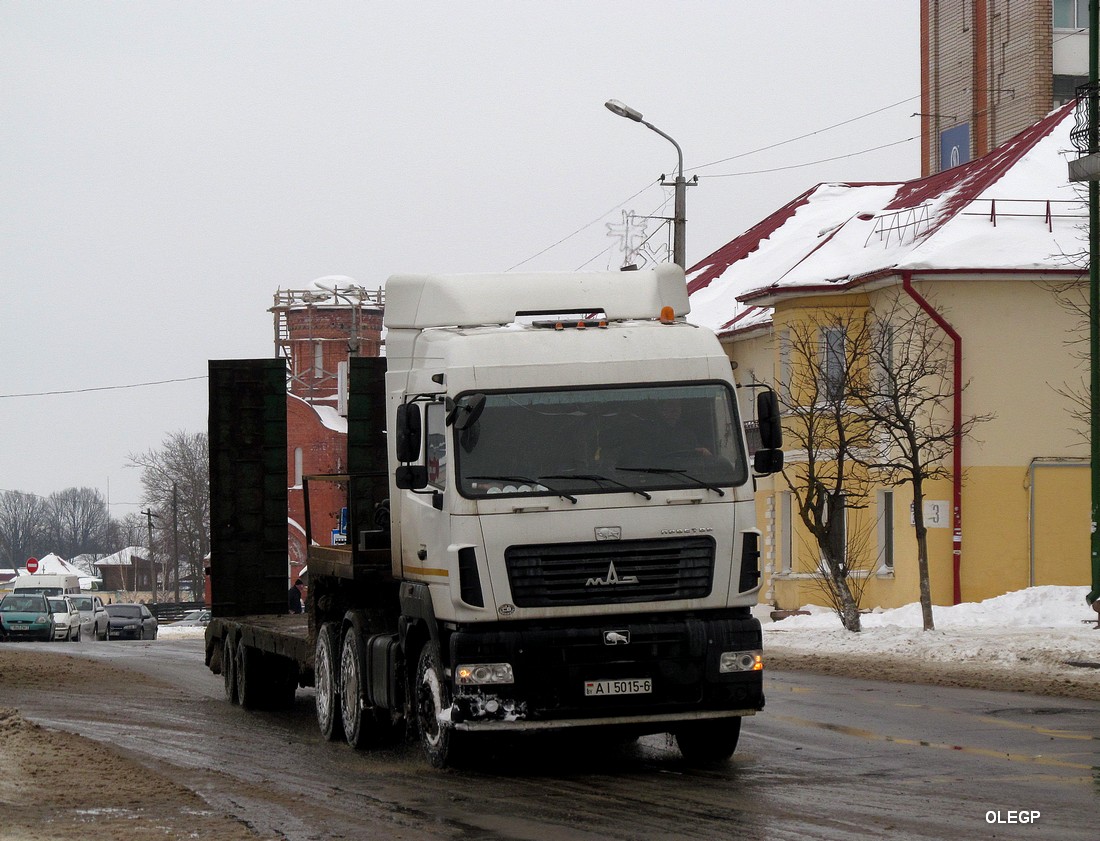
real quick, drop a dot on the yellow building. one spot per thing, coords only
(990, 255)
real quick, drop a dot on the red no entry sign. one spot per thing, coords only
(32, 565)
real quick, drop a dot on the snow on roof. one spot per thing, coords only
(1013, 209)
(327, 415)
(123, 557)
(53, 564)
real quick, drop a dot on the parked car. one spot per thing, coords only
(192, 619)
(66, 619)
(130, 622)
(25, 617)
(93, 616)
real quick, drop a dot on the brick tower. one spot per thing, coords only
(317, 330)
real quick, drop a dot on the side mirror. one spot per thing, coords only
(464, 414)
(411, 477)
(766, 462)
(769, 419)
(409, 432)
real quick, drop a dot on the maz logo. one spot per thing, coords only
(611, 578)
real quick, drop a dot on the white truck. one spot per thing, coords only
(47, 584)
(556, 531)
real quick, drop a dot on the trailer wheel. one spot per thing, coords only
(708, 741)
(229, 671)
(249, 669)
(326, 674)
(433, 699)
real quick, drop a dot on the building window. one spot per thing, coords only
(298, 467)
(435, 444)
(318, 360)
(1065, 88)
(883, 369)
(832, 351)
(886, 531)
(786, 534)
(836, 510)
(785, 364)
(1071, 14)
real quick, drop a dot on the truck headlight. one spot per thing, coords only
(741, 661)
(472, 674)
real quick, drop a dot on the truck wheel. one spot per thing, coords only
(433, 699)
(326, 674)
(355, 719)
(229, 670)
(249, 668)
(708, 741)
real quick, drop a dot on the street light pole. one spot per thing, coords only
(679, 218)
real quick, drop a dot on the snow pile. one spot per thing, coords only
(1038, 634)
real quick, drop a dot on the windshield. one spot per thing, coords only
(603, 440)
(58, 606)
(127, 611)
(82, 604)
(22, 604)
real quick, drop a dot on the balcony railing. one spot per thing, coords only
(1083, 135)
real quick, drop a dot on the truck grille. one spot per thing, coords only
(610, 572)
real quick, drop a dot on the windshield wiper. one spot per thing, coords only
(674, 471)
(525, 479)
(595, 477)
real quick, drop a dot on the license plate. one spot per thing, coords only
(629, 686)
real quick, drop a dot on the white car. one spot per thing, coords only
(93, 616)
(66, 618)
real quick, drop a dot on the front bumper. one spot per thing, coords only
(43, 633)
(552, 663)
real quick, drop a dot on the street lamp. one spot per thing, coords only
(679, 220)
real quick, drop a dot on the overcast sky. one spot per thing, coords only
(166, 167)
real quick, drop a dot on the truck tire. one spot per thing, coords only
(708, 741)
(229, 670)
(433, 698)
(249, 667)
(326, 680)
(355, 718)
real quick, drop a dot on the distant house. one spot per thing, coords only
(981, 249)
(128, 570)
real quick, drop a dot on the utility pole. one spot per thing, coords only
(176, 537)
(1086, 138)
(680, 185)
(149, 515)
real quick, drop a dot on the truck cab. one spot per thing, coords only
(571, 512)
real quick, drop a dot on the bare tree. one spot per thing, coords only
(176, 483)
(907, 399)
(23, 524)
(77, 521)
(1072, 298)
(825, 478)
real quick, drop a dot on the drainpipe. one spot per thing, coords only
(956, 443)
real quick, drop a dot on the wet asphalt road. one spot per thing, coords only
(829, 758)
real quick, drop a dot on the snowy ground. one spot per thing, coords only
(1042, 639)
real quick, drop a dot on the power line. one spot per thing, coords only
(813, 163)
(723, 160)
(809, 134)
(582, 227)
(105, 387)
